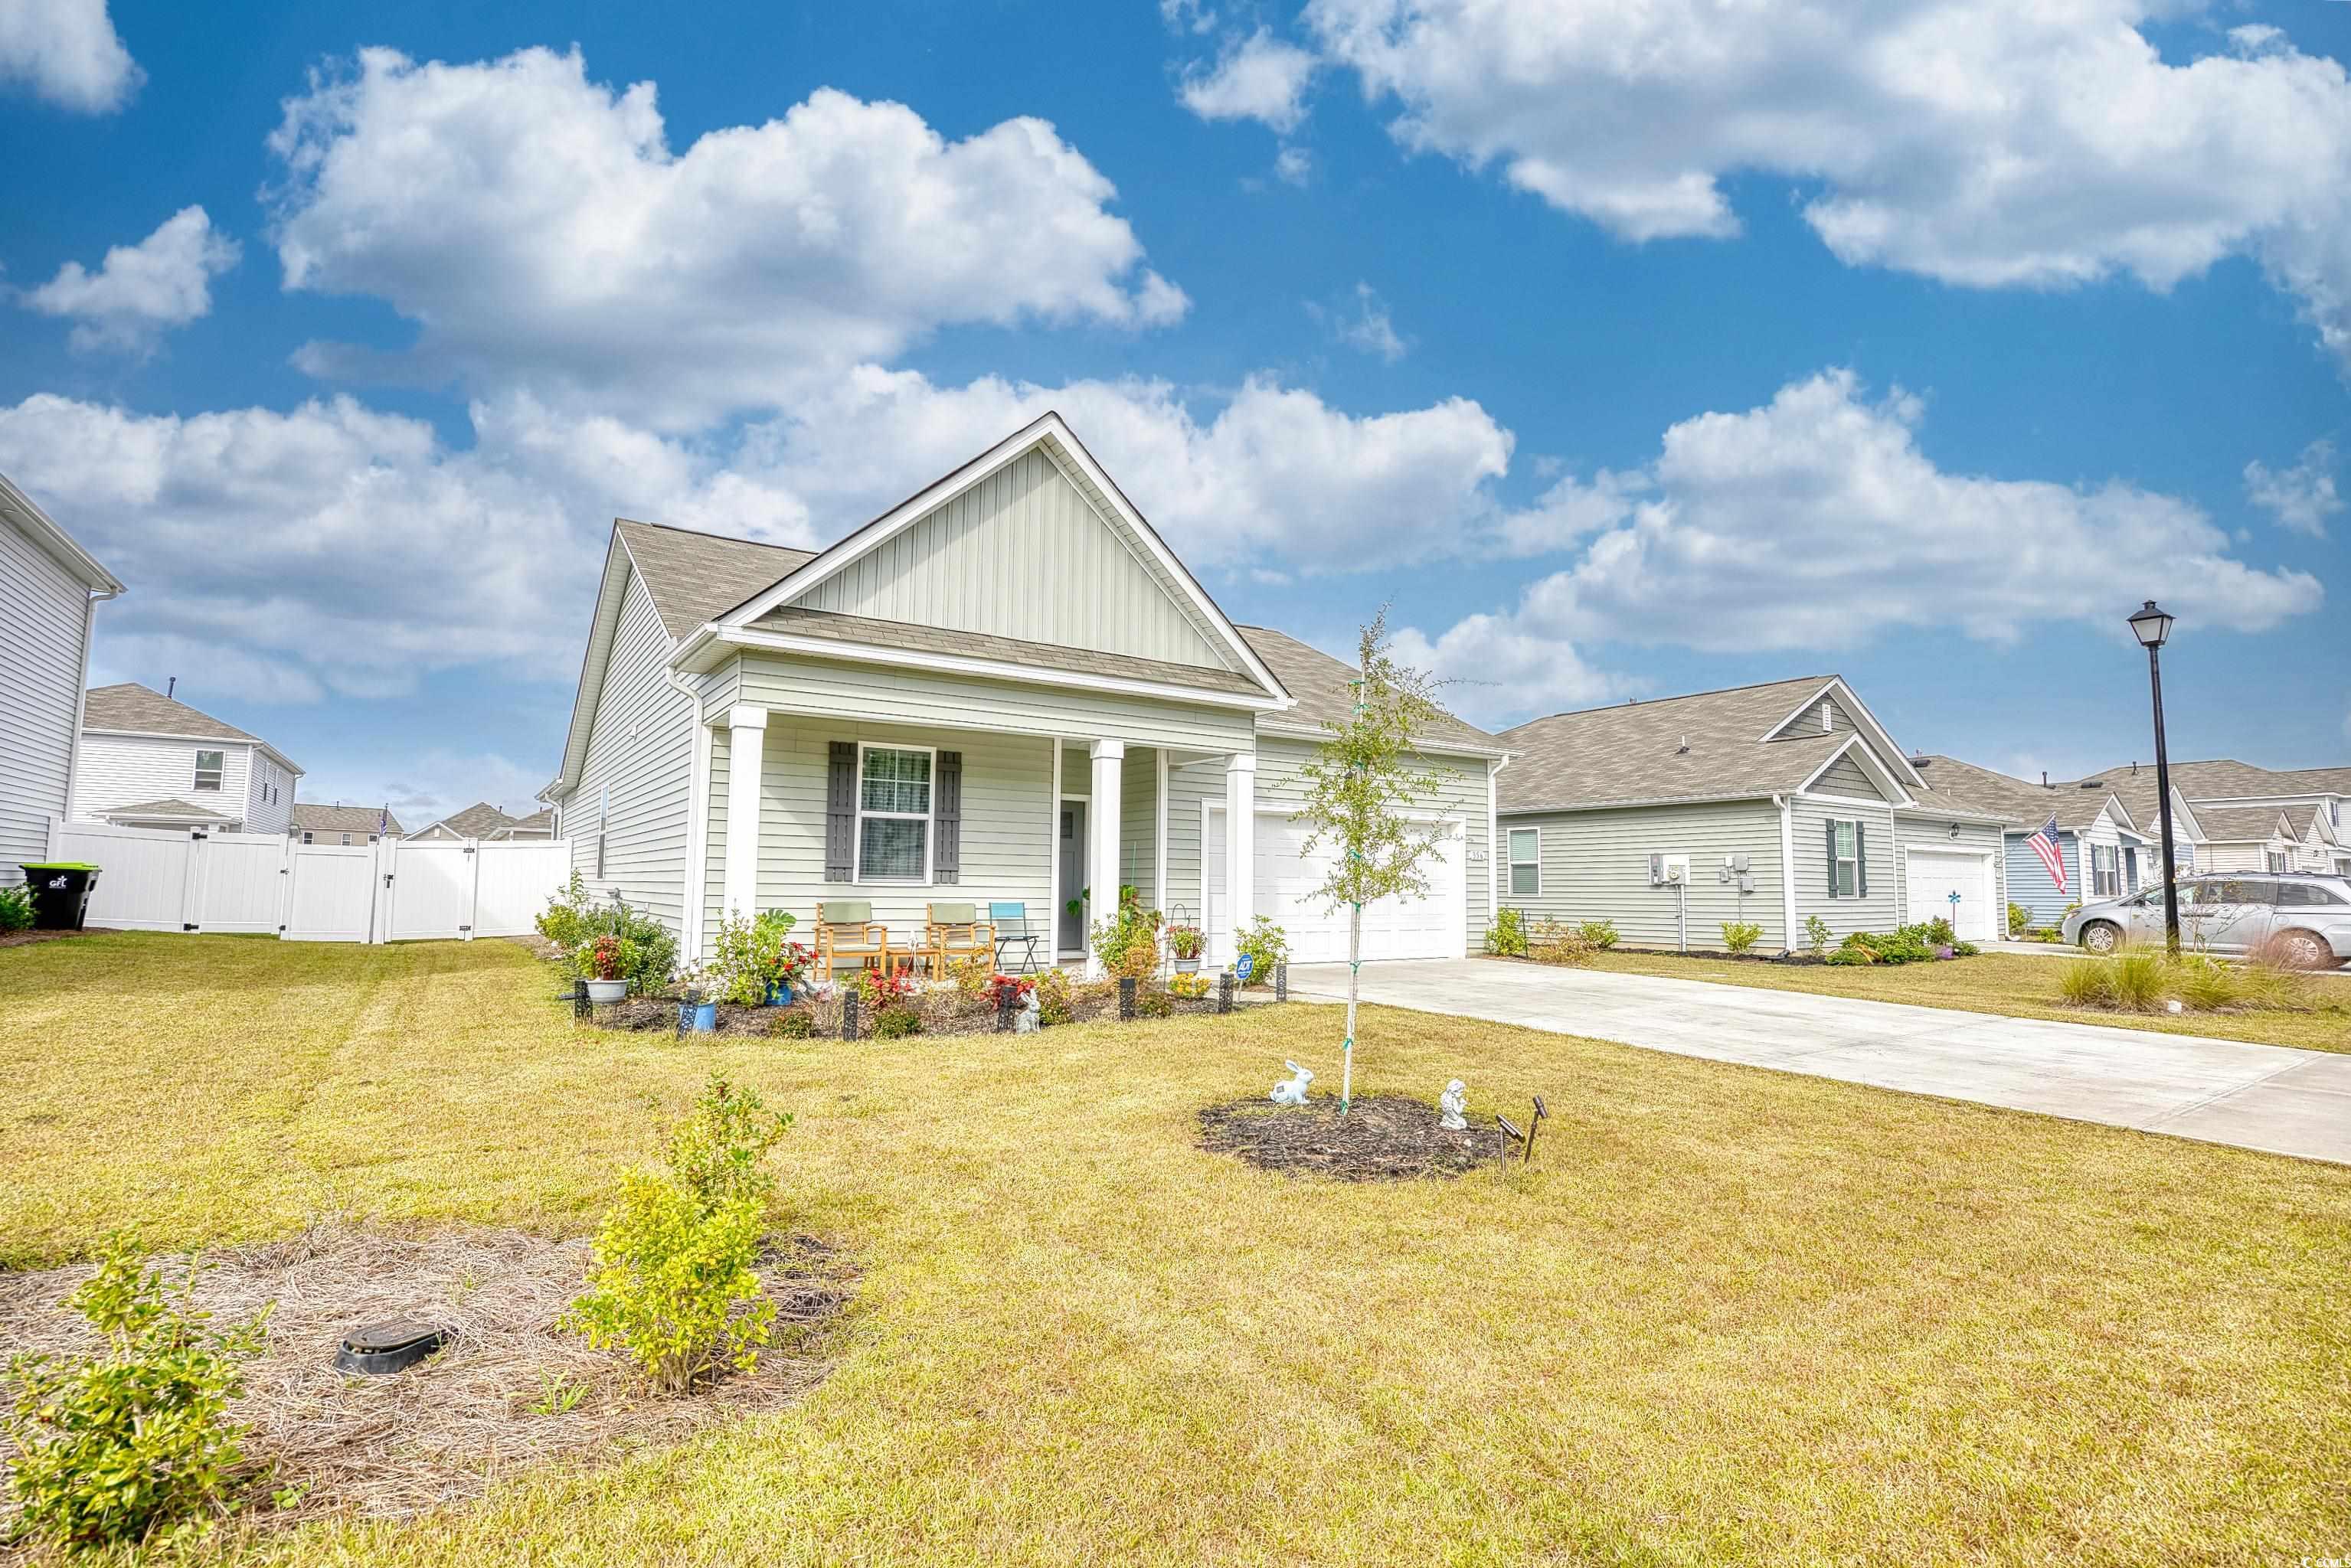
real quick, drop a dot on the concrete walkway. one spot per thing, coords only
(2267, 1097)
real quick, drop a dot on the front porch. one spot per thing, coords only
(798, 809)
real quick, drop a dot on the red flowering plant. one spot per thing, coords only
(604, 958)
(790, 966)
(884, 987)
(1008, 990)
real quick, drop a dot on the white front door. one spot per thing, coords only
(1430, 927)
(1936, 875)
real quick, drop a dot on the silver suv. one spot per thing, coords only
(2308, 914)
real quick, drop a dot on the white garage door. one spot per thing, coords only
(1431, 927)
(1936, 875)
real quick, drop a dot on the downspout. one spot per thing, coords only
(81, 699)
(1494, 837)
(693, 877)
(1787, 873)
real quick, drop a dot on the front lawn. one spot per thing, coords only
(2009, 984)
(1731, 1316)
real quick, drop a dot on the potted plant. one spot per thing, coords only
(789, 974)
(1185, 942)
(606, 982)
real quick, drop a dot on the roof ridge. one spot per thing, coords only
(1677, 697)
(707, 534)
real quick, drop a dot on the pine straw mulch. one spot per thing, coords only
(441, 1432)
(1383, 1137)
(28, 937)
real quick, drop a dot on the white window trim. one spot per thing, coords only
(926, 817)
(306, 835)
(1836, 859)
(1511, 863)
(220, 772)
(347, 838)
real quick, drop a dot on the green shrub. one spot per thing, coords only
(1128, 943)
(2140, 982)
(1054, 1004)
(1740, 936)
(1816, 935)
(1153, 1004)
(2204, 984)
(2088, 982)
(15, 909)
(751, 956)
(2019, 917)
(896, 1023)
(716, 1151)
(1601, 933)
(648, 953)
(130, 1442)
(1964, 950)
(1507, 937)
(1553, 943)
(791, 1024)
(2269, 984)
(1904, 945)
(1852, 955)
(563, 921)
(1268, 944)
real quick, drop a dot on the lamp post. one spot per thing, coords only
(2151, 626)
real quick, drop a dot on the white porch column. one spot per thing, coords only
(1101, 846)
(747, 735)
(1240, 848)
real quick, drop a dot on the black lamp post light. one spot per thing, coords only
(2151, 626)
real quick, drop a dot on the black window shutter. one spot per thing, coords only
(1861, 858)
(841, 812)
(1831, 828)
(946, 819)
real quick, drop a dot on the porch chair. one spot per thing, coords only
(845, 929)
(952, 931)
(1013, 931)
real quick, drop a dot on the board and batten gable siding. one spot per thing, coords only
(1022, 554)
(824, 688)
(1808, 829)
(1461, 799)
(641, 746)
(130, 769)
(1845, 777)
(44, 618)
(1935, 834)
(1595, 866)
(1807, 723)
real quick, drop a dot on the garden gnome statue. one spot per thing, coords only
(1292, 1092)
(1450, 1103)
(1028, 1020)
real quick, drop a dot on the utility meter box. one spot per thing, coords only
(1669, 871)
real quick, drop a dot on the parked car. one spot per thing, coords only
(2310, 916)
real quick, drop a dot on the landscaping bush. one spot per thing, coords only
(1269, 944)
(647, 952)
(1507, 936)
(15, 909)
(675, 1284)
(881, 990)
(975, 976)
(792, 1024)
(1601, 933)
(1740, 935)
(1128, 943)
(564, 920)
(1054, 1004)
(1904, 945)
(2087, 983)
(896, 1023)
(753, 955)
(2204, 984)
(1816, 935)
(1553, 943)
(1193, 985)
(2019, 917)
(132, 1442)
(2140, 982)
(1153, 1003)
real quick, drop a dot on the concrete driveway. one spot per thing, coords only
(2268, 1097)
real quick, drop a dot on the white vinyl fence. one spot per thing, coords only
(157, 879)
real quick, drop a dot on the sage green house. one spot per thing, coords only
(1763, 805)
(1008, 689)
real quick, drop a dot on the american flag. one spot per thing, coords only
(2044, 844)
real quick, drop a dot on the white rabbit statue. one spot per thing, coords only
(1292, 1092)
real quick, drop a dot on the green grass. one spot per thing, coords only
(1731, 1316)
(2016, 986)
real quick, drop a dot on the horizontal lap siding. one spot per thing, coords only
(1935, 834)
(1138, 821)
(2029, 882)
(640, 744)
(1879, 910)
(131, 769)
(43, 612)
(1595, 866)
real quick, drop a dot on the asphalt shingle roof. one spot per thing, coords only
(478, 820)
(2226, 778)
(695, 578)
(539, 821)
(140, 710)
(310, 817)
(2238, 824)
(1319, 682)
(2022, 801)
(167, 809)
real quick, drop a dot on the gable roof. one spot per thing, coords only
(1729, 744)
(2245, 824)
(539, 821)
(130, 709)
(312, 817)
(479, 820)
(2022, 802)
(180, 808)
(18, 508)
(696, 577)
(2134, 788)
(2226, 778)
(1319, 685)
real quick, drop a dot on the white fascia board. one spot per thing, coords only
(1048, 428)
(44, 531)
(596, 662)
(1836, 683)
(1871, 764)
(985, 669)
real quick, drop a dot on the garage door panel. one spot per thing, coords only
(1286, 878)
(1934, 875)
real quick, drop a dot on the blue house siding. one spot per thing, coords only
(2028, 883)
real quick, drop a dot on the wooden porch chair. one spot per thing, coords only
(952, 931)
(845, 929)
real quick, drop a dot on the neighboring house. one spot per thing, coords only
(479, 824)
(341, 824)
(2252, 838)
(150, 761)
(1007, 689)
(49, 593)
(2226, 782)
(539, 824)
(2105, 850)
(1774, 803)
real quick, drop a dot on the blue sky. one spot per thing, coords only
(1625, 352)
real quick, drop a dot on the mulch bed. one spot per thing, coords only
(26, 938)
(388, 1446)
(1382, 1138)
(944, 1012)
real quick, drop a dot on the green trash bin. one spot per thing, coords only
(60, 893)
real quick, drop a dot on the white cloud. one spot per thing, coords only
(1815, 522)
(1367, 328)
(141, 290)
(1256, 77)
(2301, 497)
(67, 52)
(1293, 165)
(2003, 142)
(539, 229)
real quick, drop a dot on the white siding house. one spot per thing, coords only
(49, 592)
(150, 761)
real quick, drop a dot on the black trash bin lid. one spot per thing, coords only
(388, 1347)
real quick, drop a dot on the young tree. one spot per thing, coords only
(1361, 791)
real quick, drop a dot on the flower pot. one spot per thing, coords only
(779, 993)
(706, 1018)
(607, 990)
(1187, 966)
